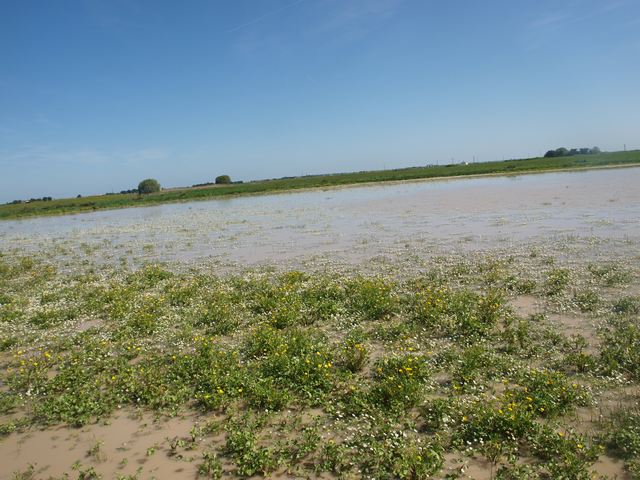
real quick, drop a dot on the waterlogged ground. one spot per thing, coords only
(401, 350)
(348, 224)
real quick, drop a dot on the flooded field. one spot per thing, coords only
(351, 224)
(475, 328)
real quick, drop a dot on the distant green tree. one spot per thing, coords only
(149, 185)
(595, 151)
(223, 179)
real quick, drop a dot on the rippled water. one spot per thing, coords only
(353, 222)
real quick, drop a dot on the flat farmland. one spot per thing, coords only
(470, 328)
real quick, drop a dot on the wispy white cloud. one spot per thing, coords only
(551, 19)
(351, 13)
(265, 15)
(576, 11)
(543, 29)
(328, 22)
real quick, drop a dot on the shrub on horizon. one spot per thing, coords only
(149, 185)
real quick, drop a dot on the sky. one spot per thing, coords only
(96, 95)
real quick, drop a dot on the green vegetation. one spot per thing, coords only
(563, 152)
(150, 185)
(83, 204)
(304, 374)
(223, 180)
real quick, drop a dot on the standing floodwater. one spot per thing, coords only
(351, 222)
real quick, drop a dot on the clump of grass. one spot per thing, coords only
(371, 298)
(211, 467)
(295, 360)
(458, 313)
(620, 350)
(587, 301)
(548, 393)
(609, 274)
(557, 281)
(354, 352)
(627, 306)
(399, 381)
(242, 445)
(623, 433)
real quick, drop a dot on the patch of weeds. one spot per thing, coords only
(7, 342)
(620, 350)
(96, 453)
(86, 473)
(50, 317)
(266, 394)
(149, 276)
(354, 352)
(576, 359)
(242, 446)
(548, 393)
(587, 301)
(211, 467)
(8, 402)
(387, 452)
(622, 434)
(135, 476)
(399, 381)
(568, 449)
(28, 474)
(518, 336)
(609, 274)
(557, 281)
(518, 472)
(521, 286)
(13, 426)
(145, 313)
(324, 299)
(627, 306)
(484, 422)
(217, 314)
(458, 313)
(371, 298)
(440, 414)
(476, 363)
(213, 374)
(294, 359)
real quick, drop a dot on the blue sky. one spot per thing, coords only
(97, 94)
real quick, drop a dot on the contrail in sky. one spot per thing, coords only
(266, 15)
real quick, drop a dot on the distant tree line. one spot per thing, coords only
(563, 152)
(133, 190)
(220, 180)
(43, 199)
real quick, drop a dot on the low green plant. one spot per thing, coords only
(211, 467)
(557, 281)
